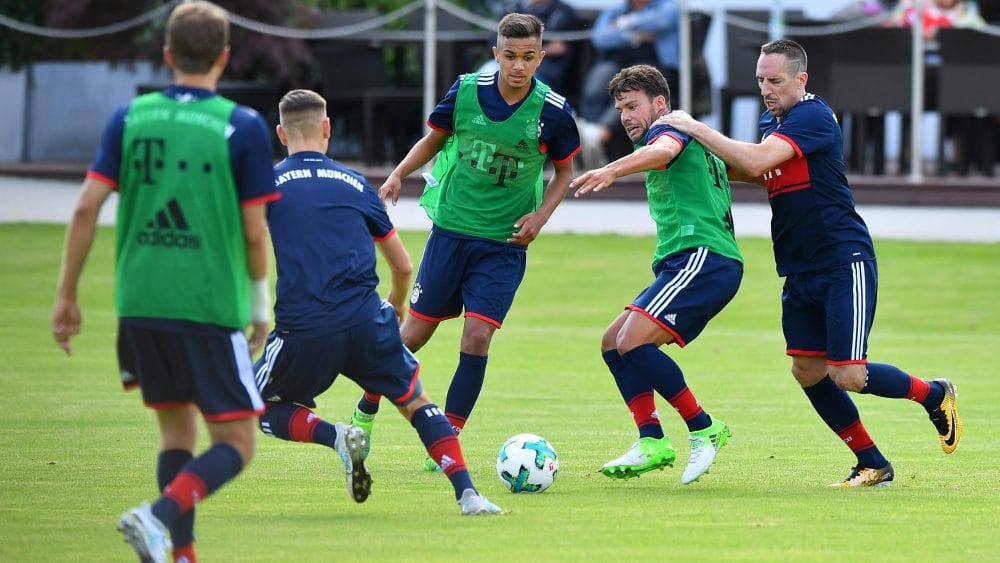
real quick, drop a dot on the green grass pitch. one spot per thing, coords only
(75, 451)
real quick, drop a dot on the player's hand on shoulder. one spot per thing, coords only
(678, 119)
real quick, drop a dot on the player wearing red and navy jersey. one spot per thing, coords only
(823, 249)
(814, 224)
(329, 319)
(192, 171)
(492, 135)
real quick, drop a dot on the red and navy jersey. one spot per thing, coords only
(814, 225)
(249, 144)
(322, 229)
(558, 136)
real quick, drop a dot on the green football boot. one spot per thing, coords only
(364, 422)
(645, 455)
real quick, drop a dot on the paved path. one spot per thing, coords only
(52, 201)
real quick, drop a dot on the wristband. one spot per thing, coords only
(260, 300)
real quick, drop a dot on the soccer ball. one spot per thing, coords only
(527, 464)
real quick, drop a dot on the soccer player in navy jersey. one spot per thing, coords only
(824, 251)
(697, 267)
(492, 133)
(193, 172)
(329, 319)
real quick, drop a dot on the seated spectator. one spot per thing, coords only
(937, 14)
(633, 32)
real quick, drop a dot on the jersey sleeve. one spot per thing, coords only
(442, 117)
(250, 148)
(810, 127)
(107, 163)
(657, 131)
(560, 136)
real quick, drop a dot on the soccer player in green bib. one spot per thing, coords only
(697, 268)
(492, 134)
(193, 172)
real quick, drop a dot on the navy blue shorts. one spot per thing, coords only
(830, 312)
(690, 288)
(458, 271)
(298, 367)
(176, 363)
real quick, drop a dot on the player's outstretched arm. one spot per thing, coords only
(420, 154)
(750, 159)
(66, 316)
(663, 150)
(401, 271)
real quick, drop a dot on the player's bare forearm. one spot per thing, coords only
(66, 317)
(750, 159)
(419, 154)
(529, 226)
(557, 189)
(646, 158)
(255, 238)
(400, 271)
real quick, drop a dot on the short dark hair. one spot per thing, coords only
(520, 26)
(197, 32)
(641, 78)
(798, 61)
(301, 110)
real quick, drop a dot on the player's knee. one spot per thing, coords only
(476, 342)
(849, 378)
(807, 376)
(626, 341)
(610, 339)
(408, 409)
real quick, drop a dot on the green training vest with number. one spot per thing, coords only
(181, 253)
(691, 204)
(489, 173)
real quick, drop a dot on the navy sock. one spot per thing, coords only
(465, 386)
(297, 424)
(636, 393)
(838, 411)
(169, 464)
(440, 441)
(198, 479)
(666, 377)
(369, 402)
(886, 380)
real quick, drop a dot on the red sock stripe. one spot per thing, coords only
(918, 389)
(302, 424)
(457, 423)
(856, 437)
(643, 409)
(686, 404)
(186, 490)
(372, 397)
(185, 551)
(447, 453)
